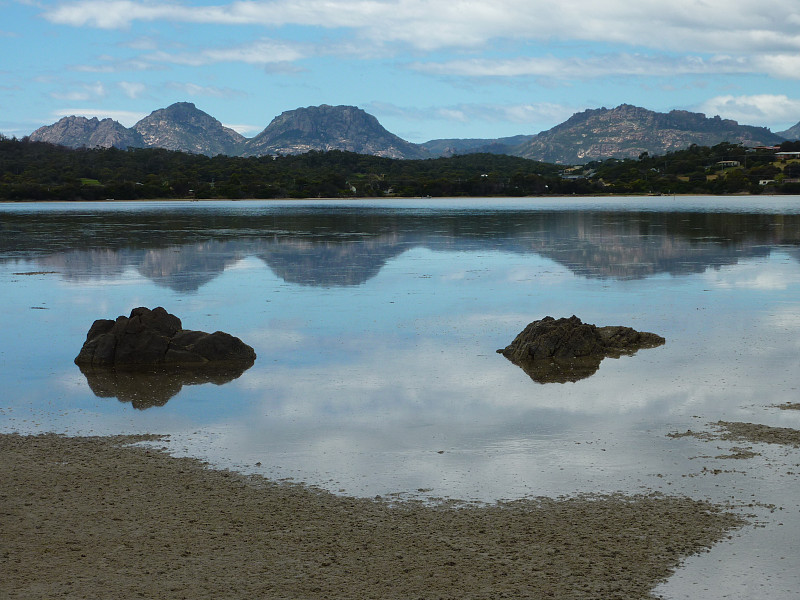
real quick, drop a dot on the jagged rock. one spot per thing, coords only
(155, 338)
(560, 350)
(80, 132)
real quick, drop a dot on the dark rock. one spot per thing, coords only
(560, 350)
(155, 338)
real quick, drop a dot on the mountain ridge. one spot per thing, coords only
(625, 131)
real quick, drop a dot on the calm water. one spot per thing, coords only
(376, 325)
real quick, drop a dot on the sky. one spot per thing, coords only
(427, 69)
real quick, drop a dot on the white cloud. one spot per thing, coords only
(261, 52)
(737, 26)
(588, 67)
(193, 89)
(84, 91)
(775, 109)
(753, 275)
(783, 66)
(245, 130)
(142, 43)
(132, 89)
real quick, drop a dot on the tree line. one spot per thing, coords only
(41, 171)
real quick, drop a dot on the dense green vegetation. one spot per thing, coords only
(39, 171)
(721, 169)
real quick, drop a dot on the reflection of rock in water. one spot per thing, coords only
(148, 357)
(550, 370)
(144, 389)
(560, 350)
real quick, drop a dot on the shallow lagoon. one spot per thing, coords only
(376, 325)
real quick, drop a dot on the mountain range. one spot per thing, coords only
(596, 134)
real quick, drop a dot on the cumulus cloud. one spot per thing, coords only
(775, 109)
(738, 26)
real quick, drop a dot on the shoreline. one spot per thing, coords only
(96, 517)
(371, 198)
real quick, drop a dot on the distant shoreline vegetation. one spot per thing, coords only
(41, 171)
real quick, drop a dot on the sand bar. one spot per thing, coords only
(95, 518)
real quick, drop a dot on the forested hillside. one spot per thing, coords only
(41, 171)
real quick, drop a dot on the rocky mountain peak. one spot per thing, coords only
(80, 132)
(184, 127)
(328, 127)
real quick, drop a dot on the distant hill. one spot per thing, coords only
(80, 132)
(793, 133)
(182, 126)
(330, 128)
(626, 131)
(450, 147)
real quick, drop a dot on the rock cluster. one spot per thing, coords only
(156, 338)
(560, 350)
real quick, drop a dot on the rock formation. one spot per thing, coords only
(184, 127)
(80, 132)
(626, 131)
(325, 128)
(560, 350)
(155, 338)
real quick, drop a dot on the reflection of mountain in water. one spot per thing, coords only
(180, 268)
(348, 246)
(329, 263)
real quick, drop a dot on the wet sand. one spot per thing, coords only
(97, 518)
(746, 432)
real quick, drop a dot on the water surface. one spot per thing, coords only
(376, 325)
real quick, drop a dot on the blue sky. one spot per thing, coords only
(426, 69)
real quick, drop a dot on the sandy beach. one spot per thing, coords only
(99, 518)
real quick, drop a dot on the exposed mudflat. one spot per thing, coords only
(754, 433)
(95, 518)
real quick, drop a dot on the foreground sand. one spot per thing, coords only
(92, 518)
